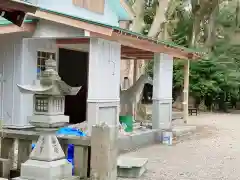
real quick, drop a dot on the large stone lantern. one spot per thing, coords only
(47, 160)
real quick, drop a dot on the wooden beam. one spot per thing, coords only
(27, 27)
(17, 5)
(73, 41)
(72, 22)
(140, 52)
(186, 91)
(16, 17)
(137, 57)
(150, 46)
(143, 44)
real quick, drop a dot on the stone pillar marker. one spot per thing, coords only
(162, 91)
(47, 160)
(104, 153)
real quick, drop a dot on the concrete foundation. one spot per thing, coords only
(137, 140)
(149, 137)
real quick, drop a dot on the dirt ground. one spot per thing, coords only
(212, 153)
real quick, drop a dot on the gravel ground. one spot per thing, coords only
(213, 152)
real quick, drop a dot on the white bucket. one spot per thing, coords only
(167, 137)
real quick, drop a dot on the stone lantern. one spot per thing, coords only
(47, 160)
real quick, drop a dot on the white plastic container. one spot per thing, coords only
(167, 137)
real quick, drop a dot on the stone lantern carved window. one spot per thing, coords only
(50, 105)
(58, 104)
(41, 104)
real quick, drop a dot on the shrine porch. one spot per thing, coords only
(104, 77)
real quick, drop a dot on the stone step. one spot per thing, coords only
(129, 167)
(70, 178)
(183, 130)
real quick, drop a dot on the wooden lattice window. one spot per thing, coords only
(91, 5)
(42, 56)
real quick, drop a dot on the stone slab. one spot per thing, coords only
(182, 130)
(47, 121)
(129, 167)
(71, 178)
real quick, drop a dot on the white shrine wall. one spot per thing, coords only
(10, 70)
(30, 47)
(18, 65)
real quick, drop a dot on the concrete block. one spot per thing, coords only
(129, 167)
(5, 167)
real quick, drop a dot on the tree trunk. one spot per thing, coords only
(138, 22)
(159, 18)
(211, 34)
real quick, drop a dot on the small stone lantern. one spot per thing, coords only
(47, 160)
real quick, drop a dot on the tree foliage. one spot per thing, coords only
(216, 78)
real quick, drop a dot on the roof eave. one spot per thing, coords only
(11, 28)
(122, 36)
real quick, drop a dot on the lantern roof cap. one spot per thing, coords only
(50, 83)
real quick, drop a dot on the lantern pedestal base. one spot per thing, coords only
(47, 161)
(42, 170)
(48, 121)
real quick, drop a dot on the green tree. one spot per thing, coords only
(212, 25)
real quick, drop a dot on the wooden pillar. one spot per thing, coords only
(186, 91)
(135, 78)
(104, 152)
(135, 71)
(103, 83)
(162, 91)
